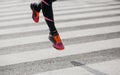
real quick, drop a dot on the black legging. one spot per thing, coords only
(46, 6)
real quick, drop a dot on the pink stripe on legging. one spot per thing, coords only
(45, 2)
(48, 19)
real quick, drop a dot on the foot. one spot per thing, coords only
(57, 43)
(35, 14)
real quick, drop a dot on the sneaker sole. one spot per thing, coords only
(58, 48)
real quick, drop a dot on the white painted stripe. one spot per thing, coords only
(58, 3)
(90, 32)
(16, 22)
(16, 17)
(15, 4)
(87, 9)
(9, 2)
(42, 38)
(107, 67)
(15, 8)
(25, 6)
(55, 8)
(86, 5)
(58, 25)
(23, 29)
(14, 13)
(87, 22)
(17, 58)
(59, 12)
(84, 15)
(67, 71)
(98, 1)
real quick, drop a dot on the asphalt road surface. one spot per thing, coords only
(90, 31)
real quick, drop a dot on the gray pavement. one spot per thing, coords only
(89, 30)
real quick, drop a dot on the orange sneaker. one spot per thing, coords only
(35, 14)
(57, 43)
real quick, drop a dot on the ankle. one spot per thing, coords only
(54, 33)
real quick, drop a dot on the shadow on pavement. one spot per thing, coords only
(91, 70)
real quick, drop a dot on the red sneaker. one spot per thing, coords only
(57, 43)
(35, 14)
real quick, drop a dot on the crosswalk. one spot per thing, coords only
(90, 31)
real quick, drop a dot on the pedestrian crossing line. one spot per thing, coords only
(86, 18)
(28, 3)
(60, 62)
(88, 15)
(61, 13)
(67, 42)
(83, 7)
(67, 71)
(49, 53)
(68, 27)
(56, 8)
(97, 2)
(59, 3)
(86, 69)
(89, 10)
(9, 17)
(9, 2)
(109, 67)
(63, 29)
(42, 38)
(87, 22)
(11, 13)
(86, 5)
(83, 16)
(96, 39)
(59, 25)
(18, 4)
(68, 12)
(14, 13)
(14, 4)
(14, 9)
